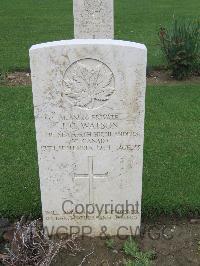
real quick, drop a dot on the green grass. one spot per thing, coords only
(19, 182)
(27, 22)
(171, 182)
(171, 155)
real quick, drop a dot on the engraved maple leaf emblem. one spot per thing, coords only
(88, 85)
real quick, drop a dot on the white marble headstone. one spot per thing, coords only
(93, 19)
(89, 104)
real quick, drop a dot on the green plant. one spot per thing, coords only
(181, 47)
(110, 243)
(140, 258)
(198, 245)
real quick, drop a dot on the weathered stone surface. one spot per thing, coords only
(89, 101)
(93, 19)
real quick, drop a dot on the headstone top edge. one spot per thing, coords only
(88, 42)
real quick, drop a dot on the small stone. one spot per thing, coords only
(10, 77)
(3, 256)
(195, 221)
(115, 251)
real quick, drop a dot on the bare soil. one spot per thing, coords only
(154, 78)
(174, 242)
(163, 77)
(18, 79)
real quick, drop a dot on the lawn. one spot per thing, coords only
(27, 22)
(171, 181)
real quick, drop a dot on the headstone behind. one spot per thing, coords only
(93, 19)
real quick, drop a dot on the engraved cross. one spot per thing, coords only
(91, 176)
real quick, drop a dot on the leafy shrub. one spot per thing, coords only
(181, 47)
